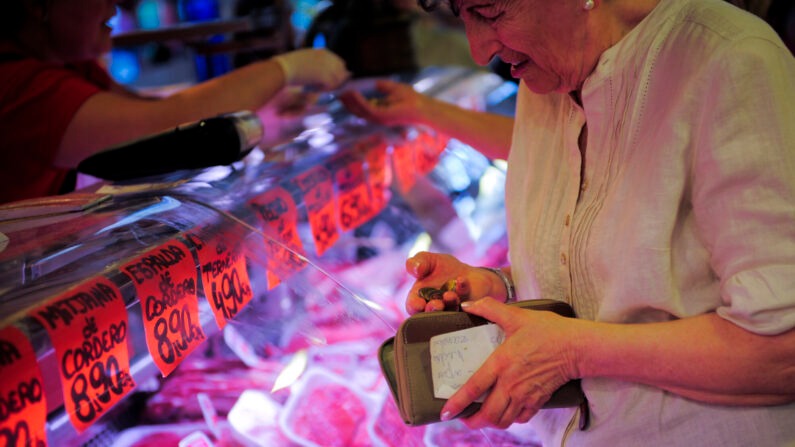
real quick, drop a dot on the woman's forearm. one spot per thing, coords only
(246, 88)
(93, 128)
(705, 358)
(489, 133)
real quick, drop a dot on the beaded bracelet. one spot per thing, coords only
(511, 292)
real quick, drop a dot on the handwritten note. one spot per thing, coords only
(455, 356)
(165, 280)
(23, 407)
(88, 328)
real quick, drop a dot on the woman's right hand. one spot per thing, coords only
(434, 270)
(399, 104)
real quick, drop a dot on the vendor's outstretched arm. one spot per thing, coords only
(113, 117)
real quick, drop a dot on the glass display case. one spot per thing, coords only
(244, 304)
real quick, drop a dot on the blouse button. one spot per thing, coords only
(568, 219)
(563, 259)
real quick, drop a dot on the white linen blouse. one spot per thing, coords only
(686, 206)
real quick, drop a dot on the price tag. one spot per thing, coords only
(379, 177)
(277, 212)
(23, 406)
(88, 328)
(165, 280)
(403, 164)
(353, 197)
(428, 149)
(224, 275)
(318, 192)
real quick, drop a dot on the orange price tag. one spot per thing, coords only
(353, 198)
(379, 177)
(88, 328)
(428, 149)
(165, 280)
(23, 406)
(276, 209)
(318, 192)
(403, 164)
(224, 275)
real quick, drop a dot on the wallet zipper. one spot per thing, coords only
(569, 428)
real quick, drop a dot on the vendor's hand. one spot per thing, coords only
(400, 104)
(522, 373)
(435, 270)
(315, 67)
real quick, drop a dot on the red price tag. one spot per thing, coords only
(224, 276)
(429, 148)
(403, 164)
(353, 199)
(379, 176)
(165, 280)
(23, 406)
(318, 192)
(276, 210)
(88, 328)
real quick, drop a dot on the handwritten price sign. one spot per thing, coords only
(165, 280)
(88, 328)
(404, 167)
(353, 200)
(428, 149)
(318, 192)
(379, 176)
(276, 210)
(23, 407)
(224, 276)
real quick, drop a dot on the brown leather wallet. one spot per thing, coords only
(406, 363)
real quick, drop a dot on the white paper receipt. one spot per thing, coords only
(455, 356)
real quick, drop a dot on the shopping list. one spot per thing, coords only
(455, 356)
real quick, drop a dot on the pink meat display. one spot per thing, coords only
(392, 431)
(222, 380)
(456, 434)
(159, 439)
(327, 413)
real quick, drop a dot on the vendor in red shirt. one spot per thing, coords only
(58, 106)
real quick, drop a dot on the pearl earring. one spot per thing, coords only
(589, 4)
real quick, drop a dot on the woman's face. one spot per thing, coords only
(78, 28)
(543, 40)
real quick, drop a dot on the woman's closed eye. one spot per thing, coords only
(485, 13)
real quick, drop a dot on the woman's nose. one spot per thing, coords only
(483, 43)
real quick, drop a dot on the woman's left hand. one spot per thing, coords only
(435, 270)
(522, 373)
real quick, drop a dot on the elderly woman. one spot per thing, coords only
(651, 184)
(57, 105)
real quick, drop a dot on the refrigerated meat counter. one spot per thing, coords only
(244, 304)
